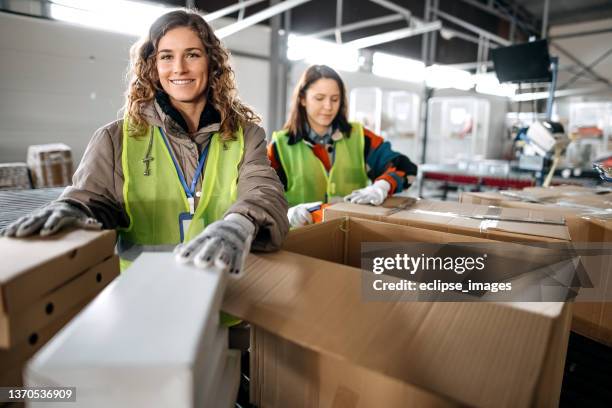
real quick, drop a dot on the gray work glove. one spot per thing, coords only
(224, 244)
(50, 219)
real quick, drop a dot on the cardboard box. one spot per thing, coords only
(577, 210)
(285, 374)
(50, 165)
(225, 394)
(477, 354)
(580, 208)
(33, 267)
(14, 176)
(147, 340)
(12, 361)
(496, 223)
(20, 326)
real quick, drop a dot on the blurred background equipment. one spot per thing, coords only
(523, 63)
(547, 140)
(390, 113)
(604, 168)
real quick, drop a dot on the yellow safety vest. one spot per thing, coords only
(307, 179)
(153, 202)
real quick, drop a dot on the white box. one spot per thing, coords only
(146, 340)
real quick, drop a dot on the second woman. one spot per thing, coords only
(320, 157)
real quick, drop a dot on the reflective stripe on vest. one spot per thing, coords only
(307, 179)
(154, 202)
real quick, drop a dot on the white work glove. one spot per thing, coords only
(50, 219)
(374, 194)
(224, 244)
(299, 215)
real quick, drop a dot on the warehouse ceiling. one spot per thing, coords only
(569, 11)
(493, 16)
(321, 14)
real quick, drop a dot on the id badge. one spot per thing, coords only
(184, 222)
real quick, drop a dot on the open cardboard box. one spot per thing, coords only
(579, 207)
(497, 223)
(310, 295)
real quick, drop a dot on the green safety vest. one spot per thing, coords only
(307, 179)
(154, 202)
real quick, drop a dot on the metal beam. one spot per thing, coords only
(337, 32)
(591, 65)
(545, 19)
(394, 35)
(502, 13)
(229, 10)
(558, 94)
(258, 17)
(190, 4)
(356, 26)
(489, 9)
(425, 40)
(242, 11)
(394, 7)
(470, 65)
(580, 34)
(275, 70)
(433, 40)
(472, 28)
(580, 63)
(449, 34)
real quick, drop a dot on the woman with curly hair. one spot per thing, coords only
(187, 163)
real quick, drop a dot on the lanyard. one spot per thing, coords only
(189, 191)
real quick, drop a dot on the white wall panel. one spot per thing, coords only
(60, 82)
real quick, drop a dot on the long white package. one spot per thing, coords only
(146, 340)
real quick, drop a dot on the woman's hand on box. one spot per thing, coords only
(50, 219)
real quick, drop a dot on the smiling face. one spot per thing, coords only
(321, 102)
(182, 66)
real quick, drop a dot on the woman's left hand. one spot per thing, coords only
(374, 194)
(224, 243)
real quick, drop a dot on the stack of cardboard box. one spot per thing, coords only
(44, 282)
(50, 165)
(588, 212)
(318, 342)
(151, 339)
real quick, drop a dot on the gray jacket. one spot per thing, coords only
(97, 185)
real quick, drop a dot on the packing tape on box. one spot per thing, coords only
(438, 213)
(522, 197)
(598, 214)
(486, 224)
(490, 219)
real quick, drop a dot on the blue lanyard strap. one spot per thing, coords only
(188, 191)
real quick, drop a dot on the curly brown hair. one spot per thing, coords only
(221, 88)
